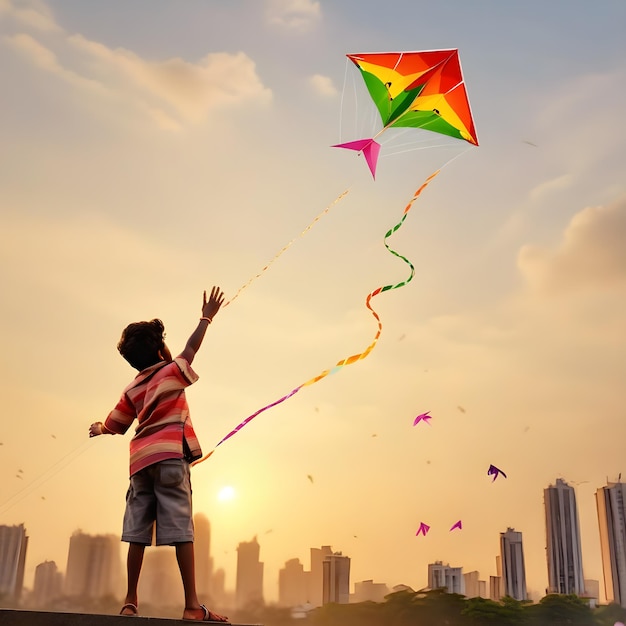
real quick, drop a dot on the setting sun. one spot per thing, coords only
(226, 493)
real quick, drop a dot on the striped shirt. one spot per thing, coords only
(156, 398)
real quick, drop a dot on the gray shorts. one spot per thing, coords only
(159, 495)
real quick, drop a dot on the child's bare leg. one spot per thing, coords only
(186, 563)
(133, 569)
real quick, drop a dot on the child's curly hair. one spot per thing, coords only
(141, 342)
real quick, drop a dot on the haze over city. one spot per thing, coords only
(152, 149)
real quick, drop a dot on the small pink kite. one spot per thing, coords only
(458, 525)
(422, 417)
(423, 529)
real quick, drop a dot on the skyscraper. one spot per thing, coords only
(316, 577)
(336, 578)
(249, 589)
(48, 583)
(611, 504)
(13, 544)
(513, 568)
(563, 550)
(94, 566)
(442, 576)
(292, 584)
(204, 561)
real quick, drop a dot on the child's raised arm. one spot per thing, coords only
(210, 308)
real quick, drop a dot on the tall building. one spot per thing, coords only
(13, 545)
(442, 576)
(369, 591)
(203, 559)
(94, 566)
(513, 568)
(474, 587)
(563, 550)
(316, 576)
(48, 584)
(249, 589)
(611, 505)
(160, 583)
(336, 579)
(292, 584)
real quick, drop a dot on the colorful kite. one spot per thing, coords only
(414, 90)
(458, 525)
(422, 417)
(493, 470)
(423, 529)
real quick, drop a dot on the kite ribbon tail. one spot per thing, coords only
(355, 357)
(242, 424)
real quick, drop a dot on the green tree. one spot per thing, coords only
(560, 610)
(609, 614)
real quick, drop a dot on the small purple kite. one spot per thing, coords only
(495, 472)
(458, 525)
(423, 529)
(422, 417)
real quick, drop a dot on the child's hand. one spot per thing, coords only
(95, 429)
(216, 299)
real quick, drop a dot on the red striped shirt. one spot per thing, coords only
(156, 398)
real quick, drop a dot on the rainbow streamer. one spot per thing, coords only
(355, 357)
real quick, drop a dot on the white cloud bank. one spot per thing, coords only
(591, 253)
(299, 15)
(173, 92)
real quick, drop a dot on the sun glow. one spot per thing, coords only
(226, 493)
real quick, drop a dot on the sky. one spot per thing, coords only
(153, 149)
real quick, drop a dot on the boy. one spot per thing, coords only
(161, 450)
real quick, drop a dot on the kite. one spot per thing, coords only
(422, 417)
(423, 529)
(458, 525)
(414, 90)
(493, 470)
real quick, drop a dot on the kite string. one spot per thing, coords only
(287, 246)
(62, 463)
(355, 357)
(74, 454)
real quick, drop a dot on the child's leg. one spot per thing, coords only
(193, 609)
(133, 569)
(186, 564)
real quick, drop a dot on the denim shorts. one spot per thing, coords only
(159, 495)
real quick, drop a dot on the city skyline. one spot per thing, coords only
(152, 150)
(249, 584)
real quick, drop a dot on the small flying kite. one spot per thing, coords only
(495, 472)
(458, 525)
(415, 90)
(423, 529)
(422, 417)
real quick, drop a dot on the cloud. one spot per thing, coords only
(549, 186)
(191, 90)
(172, 92)
(294, 14)
(323, 85)
(592, 252)
(32, 14)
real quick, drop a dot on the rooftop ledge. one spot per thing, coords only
(10, 617)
